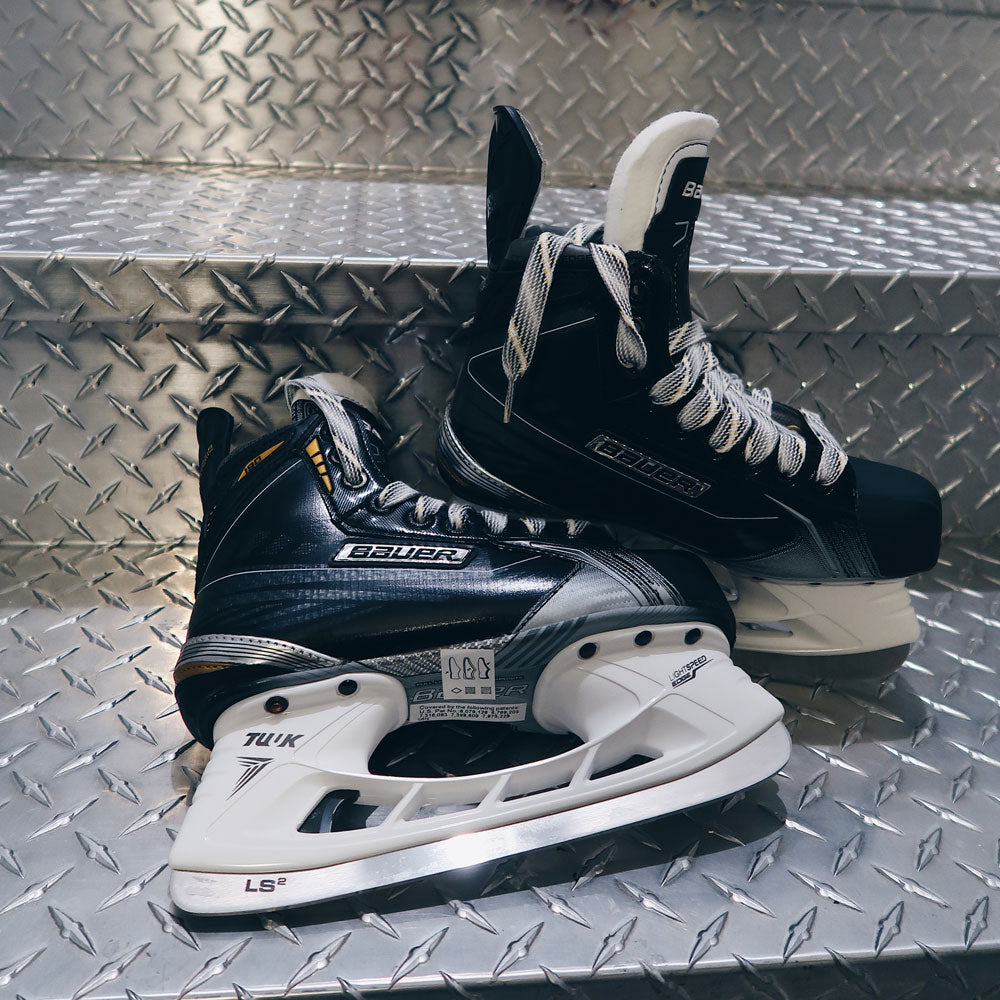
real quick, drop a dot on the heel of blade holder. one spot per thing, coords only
(822, 619)
(668, 696)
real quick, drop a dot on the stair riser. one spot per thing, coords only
(921, 401)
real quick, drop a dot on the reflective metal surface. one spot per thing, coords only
(894, 94)
(208, 246)
(879, 839)
(141, 245)
(889, 797)
(97, 422)
(199, 200)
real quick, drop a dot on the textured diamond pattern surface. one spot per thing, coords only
(855, 93)
(96, 422)
(200, 267)
(99, 515)
(206, 245)
(182, 212)
(878, 838)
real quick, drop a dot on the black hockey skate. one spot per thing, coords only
(333, 606)
(590, 389)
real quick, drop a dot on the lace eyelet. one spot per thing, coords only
(412, 518)
(360, 485)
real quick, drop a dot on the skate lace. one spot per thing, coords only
(344, 437)
(744, 415)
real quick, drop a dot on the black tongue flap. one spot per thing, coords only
(215, 434)
(668, 235)
(513, 177)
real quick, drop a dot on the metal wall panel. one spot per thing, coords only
(866, 94)
(132, 295)
(97, 437)
(197, 244)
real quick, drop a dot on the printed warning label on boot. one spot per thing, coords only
(467, 711)
(468, 675)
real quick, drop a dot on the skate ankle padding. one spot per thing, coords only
(513, 177)
(313, 388)
(215, 434)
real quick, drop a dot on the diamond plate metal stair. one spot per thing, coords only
(208, 245)
(219, 285)
(201, 199)
(889, 304)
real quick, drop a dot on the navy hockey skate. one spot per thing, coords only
(334, 605)
(590, 389)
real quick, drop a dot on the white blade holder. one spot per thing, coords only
(686, 707)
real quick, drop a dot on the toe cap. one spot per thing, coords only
(900, 514)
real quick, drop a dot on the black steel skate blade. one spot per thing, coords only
(799, 668)
(513, 177)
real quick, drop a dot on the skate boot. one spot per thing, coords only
(590, 389)
(333, 606)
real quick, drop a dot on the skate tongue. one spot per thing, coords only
(329, 387)
(655, 194)
(328, 392)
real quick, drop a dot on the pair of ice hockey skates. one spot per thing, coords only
(334, 605)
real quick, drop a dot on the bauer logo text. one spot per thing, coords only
(369, 553)
(648, 467)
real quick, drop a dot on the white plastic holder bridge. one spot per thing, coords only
(820, 619)
(708, 729)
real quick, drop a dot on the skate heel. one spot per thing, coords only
(694, 703)
(822, 619)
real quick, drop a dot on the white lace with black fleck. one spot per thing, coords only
(744, 415)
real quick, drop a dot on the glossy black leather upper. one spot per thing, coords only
(268, 567)
(753, 518)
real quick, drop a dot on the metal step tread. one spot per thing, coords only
(868, 862)
(167, 244)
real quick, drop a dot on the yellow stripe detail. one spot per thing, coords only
(192, 668)
(312, 448)
(259, 458)
(326, 482)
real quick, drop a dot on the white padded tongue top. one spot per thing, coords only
(642, 177)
